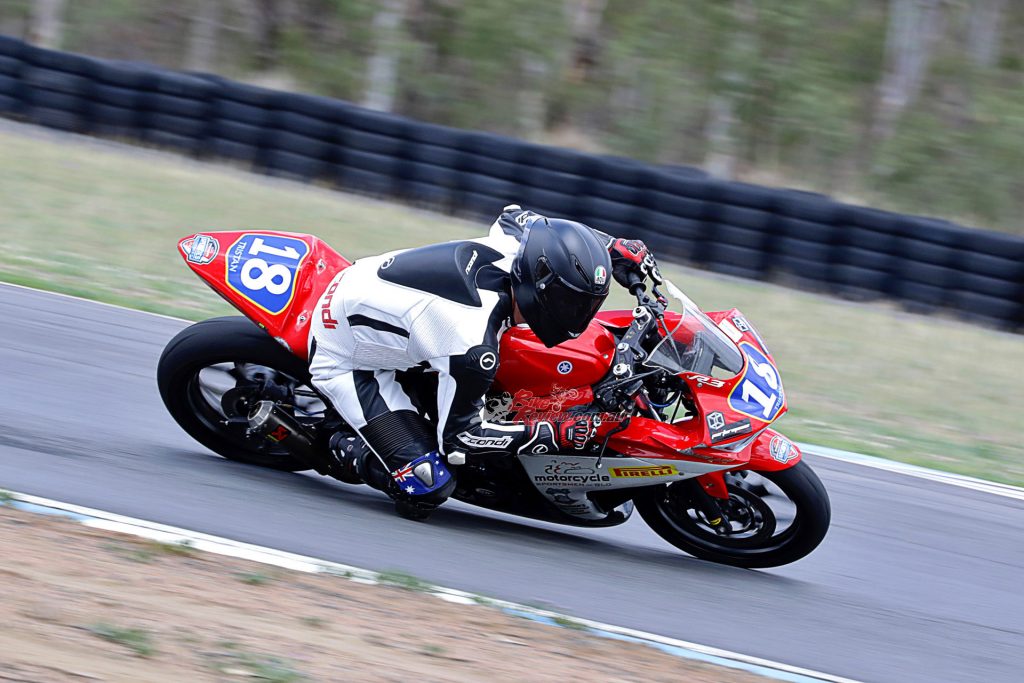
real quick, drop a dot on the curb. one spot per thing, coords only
(100, 519)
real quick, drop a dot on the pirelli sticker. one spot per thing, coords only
(644, 472)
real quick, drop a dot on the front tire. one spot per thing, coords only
(246, 355)
(768, 544)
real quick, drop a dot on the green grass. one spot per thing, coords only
(254, 578)
(97, 222)
(233, 660)
(137, 640)
(149, 551)
(400, 579)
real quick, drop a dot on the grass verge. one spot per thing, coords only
(101, 221)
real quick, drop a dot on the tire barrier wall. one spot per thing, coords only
(797, 238)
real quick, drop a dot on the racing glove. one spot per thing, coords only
(632, 257)
(561, 436)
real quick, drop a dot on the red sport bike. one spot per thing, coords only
(687, 400)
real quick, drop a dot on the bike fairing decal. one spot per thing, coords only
(562, 472)
(781, 449)
(730, 430)
(261, 268)
(200, 249)
(644, 472)
(759, 394)
(584, 474)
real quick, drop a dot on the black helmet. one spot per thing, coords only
(559, 278)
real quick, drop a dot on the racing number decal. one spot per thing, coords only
(760, 393)
(262, 269)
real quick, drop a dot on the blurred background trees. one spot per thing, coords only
(914, 105)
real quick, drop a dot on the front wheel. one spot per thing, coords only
(768, 523)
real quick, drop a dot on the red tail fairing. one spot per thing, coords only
(274, 278)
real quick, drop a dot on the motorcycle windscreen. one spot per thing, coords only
(695, 343)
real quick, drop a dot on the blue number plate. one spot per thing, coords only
(759, 395)
(262, 269)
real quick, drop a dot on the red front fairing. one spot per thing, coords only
(542, 381)
(274, 278)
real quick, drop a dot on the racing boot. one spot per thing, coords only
(350, 453)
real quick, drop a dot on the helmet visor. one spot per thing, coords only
(569, 307)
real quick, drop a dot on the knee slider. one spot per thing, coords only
(425, 478)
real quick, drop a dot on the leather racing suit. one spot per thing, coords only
(441, 308)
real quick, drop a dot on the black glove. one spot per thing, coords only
(632, 257)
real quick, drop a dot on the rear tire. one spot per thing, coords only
(230, 339)
(799, 483)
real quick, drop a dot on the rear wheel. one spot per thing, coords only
(212, 373)
(775, 520)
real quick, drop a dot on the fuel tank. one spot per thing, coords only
(526, 364)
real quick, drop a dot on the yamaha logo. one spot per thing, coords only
(564, 368)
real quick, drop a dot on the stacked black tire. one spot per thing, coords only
(798, 238)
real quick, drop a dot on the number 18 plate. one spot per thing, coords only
(262, 269)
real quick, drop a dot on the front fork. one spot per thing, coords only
(708, 491)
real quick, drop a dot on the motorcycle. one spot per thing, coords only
(685, 401)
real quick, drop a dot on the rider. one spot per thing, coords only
(443, 308)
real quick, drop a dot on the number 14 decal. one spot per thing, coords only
(760, 394)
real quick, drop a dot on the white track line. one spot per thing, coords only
(973, 483)
(93, 301)
(109, 521)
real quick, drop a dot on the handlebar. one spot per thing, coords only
(636, 285)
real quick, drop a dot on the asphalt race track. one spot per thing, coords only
(917, 581)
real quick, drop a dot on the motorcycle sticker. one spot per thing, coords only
(727, 431)
(759, 395)
(741, 323)
(569, 472)
(644, 472)
(200, 249)
(781, 449)
(262, 268)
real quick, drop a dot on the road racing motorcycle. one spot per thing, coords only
(686, 401)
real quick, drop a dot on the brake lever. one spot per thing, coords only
(607, 437)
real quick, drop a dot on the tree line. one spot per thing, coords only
(915, 105)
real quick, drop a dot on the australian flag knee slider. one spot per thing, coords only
(426, 474)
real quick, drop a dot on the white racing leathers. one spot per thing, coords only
(442, 308)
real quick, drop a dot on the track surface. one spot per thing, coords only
(917, 581)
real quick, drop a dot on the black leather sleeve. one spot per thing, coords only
(462, 382)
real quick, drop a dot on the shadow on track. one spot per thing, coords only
(471, 525)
